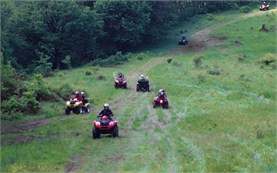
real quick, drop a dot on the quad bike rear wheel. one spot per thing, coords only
(115, 132)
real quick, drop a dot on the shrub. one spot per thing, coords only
(176, 64)
(116, 59)
(197, 61)
(209, 17)
(169, 60)
(141, 56)
(26, 104)
(269, 60)
(245, 9)
(88, 73)
(101, 77)
(67, 61)
(65, 91)
(214, 71)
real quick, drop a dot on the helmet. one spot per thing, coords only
(82, 93)
(106, 106)
(75, 99)
(161, 90)
(142, 76)
(77, 92)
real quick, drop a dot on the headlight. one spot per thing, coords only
(97, 123)
(161, 101)
(111, 123)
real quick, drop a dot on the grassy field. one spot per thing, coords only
(222, 115)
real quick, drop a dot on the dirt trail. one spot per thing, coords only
(202, 39)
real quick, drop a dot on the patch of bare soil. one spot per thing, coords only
(73, 165)
(19, 139)
(23, 127)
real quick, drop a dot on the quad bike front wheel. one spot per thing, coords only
(95, 133)
(67, 111)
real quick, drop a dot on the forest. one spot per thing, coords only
(40, 37)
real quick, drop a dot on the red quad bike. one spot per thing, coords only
(160, 101)
(104, 126)
(120, 83)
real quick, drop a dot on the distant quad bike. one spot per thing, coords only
(120, 83)
(161, 101)
(104, 126)
(143, 85)
(264, 6)
(78, 107)
(183, 41)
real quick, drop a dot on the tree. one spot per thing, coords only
(124, 22)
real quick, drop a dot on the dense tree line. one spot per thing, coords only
(38, 37)
(42, 35)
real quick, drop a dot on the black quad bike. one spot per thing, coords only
(143, 85)
(264, 6)
(183, 41)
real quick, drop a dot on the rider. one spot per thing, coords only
(161, 93)
(84, 97)
(78, 96)
(141, 78)
(120, 75)
(106, 111)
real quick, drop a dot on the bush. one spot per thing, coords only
(245, 9)
(169, 60)
(101, 77)
(116, 59)
(141, 56)
(26, 104)
(197, 61)
(214, 71)
(209, 17)
(269, 60)
(65, 91)
(88, 73)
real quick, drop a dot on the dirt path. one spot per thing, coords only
(202, 39)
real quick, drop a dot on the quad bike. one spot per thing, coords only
(264, 6)
(160, 101)
(120, 83)
(183, 41)
(104, 126)
(143, 85)
(78, 107)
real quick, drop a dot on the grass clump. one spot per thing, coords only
(197, 61)
(269, 60)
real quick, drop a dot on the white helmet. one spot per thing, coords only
(82, 93)
(106, 105)
(142, 76)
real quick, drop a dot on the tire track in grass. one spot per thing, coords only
(198, 154)
(119, 105)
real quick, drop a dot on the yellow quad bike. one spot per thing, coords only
(78, 107)
(264, 6)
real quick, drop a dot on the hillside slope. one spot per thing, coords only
(221, 116)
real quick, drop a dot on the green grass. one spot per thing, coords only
(217, 123)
